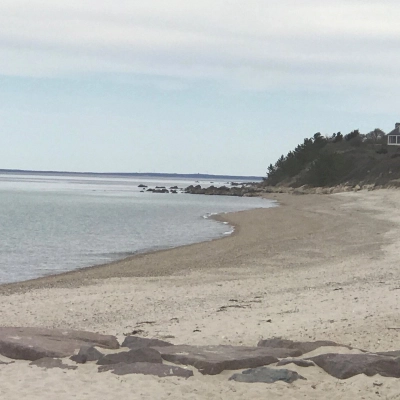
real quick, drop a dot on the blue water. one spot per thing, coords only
(51, 224)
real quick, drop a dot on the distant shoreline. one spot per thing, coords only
(131, 174)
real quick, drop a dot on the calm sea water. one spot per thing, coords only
(52, 224)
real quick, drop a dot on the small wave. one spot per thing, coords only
(209, 215)
(230, 232)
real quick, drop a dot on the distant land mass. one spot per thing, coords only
(134, 174)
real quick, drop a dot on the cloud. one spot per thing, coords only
(255, 44)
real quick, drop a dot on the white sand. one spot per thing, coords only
(318, 267)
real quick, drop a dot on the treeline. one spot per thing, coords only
(320, 160)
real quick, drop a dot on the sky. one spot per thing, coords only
(213, 86)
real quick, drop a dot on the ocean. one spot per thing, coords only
(53, 224)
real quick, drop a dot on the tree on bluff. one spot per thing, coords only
(376, 135)
(290, 165)
(328, 169)
(337, 137)
(352, 135)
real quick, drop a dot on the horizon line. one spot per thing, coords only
(165, 174)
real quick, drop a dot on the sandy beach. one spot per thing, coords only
(316, 267)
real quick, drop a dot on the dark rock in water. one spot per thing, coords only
(212, 360)
(344, 366)
(174, 187)
(51, 363)
(303, 347)
(145, 368)
(132, 356)
(142, 186)
(297, 361)
(35, 343)
(87, 353)
(266, 375)
(160, 187)
(137, 342)
(174, 191)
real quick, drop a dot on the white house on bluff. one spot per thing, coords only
(394, 136)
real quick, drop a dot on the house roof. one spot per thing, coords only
(395, 132)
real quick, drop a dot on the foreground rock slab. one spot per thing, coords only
(302, 347)
(266, 375)
(344, 366)
(48, 363)
(136, 342)
(212, 360)
(145, 368)
(35, 343)
(132, 356)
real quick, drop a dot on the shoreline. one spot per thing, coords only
(134, 266)
(53, 277)
(58, 279)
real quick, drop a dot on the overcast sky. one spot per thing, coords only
(211, 86)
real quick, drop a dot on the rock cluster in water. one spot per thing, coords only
(161, 189)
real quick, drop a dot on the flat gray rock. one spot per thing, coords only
(87, 353)
(145, 368)
(302, 347)
(266, 375)
(132, 356)
(35, 343)
(51, 363)
(136, 342)
(344, 366)
(212, 360)
(297, 361)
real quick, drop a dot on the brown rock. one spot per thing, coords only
(212, 360)
(87, 353)
(146, 368)
(136, 342)
(303, 347)
(132, 356)
(343, 366)
(51, 363)
(266, 375)
(35, 343)
(297, 361)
